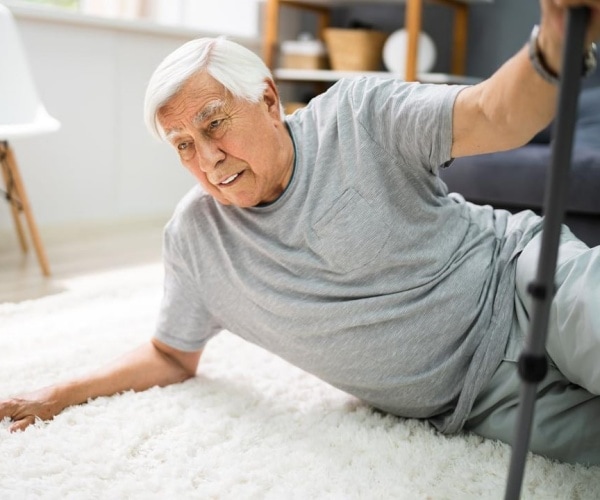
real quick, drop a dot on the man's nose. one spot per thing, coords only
(209, 155)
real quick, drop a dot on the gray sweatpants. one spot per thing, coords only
(567, 413)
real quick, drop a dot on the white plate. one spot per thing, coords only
(394, 52)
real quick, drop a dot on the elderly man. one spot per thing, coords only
(328, 238)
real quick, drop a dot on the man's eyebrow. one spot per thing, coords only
(171, 134)
(211, 109)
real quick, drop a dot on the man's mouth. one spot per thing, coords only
(230, 180)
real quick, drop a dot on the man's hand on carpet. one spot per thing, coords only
(25, 409)
(152, 364)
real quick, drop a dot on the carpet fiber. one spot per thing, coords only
(249, 426)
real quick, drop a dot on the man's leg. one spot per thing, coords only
(573, 341)
(566, 415)
(565, 425)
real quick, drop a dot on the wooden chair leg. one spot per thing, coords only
(12, 171)
(16, 214)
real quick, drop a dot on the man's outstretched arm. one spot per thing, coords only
(151, 364)
(509, 108)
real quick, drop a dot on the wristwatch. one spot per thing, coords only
(588, 64)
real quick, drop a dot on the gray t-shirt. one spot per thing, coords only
(364, 272)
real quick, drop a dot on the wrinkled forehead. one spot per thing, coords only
(193, 115)
(198, 100)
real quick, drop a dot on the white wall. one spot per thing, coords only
(102, 165)
(228, 17)
(206, 15)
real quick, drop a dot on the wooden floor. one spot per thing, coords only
(73, 252)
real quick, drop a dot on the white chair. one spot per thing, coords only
(22, 114)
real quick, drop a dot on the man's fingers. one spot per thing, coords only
(20, 413)
(22, 424)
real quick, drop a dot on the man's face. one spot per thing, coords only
(240, 152)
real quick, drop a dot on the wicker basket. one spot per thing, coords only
(355, 49)
(304, 53)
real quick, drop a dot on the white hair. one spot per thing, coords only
(237, 68)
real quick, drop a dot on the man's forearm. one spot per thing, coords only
(522, 94)
(152, 364)
(504, 111)
(137, 370)
(519, 99)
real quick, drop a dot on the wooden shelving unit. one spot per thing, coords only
(414, 12)
(328, 75)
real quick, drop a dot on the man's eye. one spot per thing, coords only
(185, 150)
(214, 125)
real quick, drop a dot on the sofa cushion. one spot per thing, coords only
(517, 178)
(587, 129)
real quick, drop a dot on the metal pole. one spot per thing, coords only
(533, 362)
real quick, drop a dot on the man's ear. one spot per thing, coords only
(271, 98)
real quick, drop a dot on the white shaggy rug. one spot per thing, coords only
(249, 426)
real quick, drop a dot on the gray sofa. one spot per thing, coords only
(516, 179)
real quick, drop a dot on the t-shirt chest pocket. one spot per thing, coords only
(351, 234)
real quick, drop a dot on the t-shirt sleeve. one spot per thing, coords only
(412, 121)
(183, 320)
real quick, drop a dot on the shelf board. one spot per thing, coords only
(331, 3)
(328, 75)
